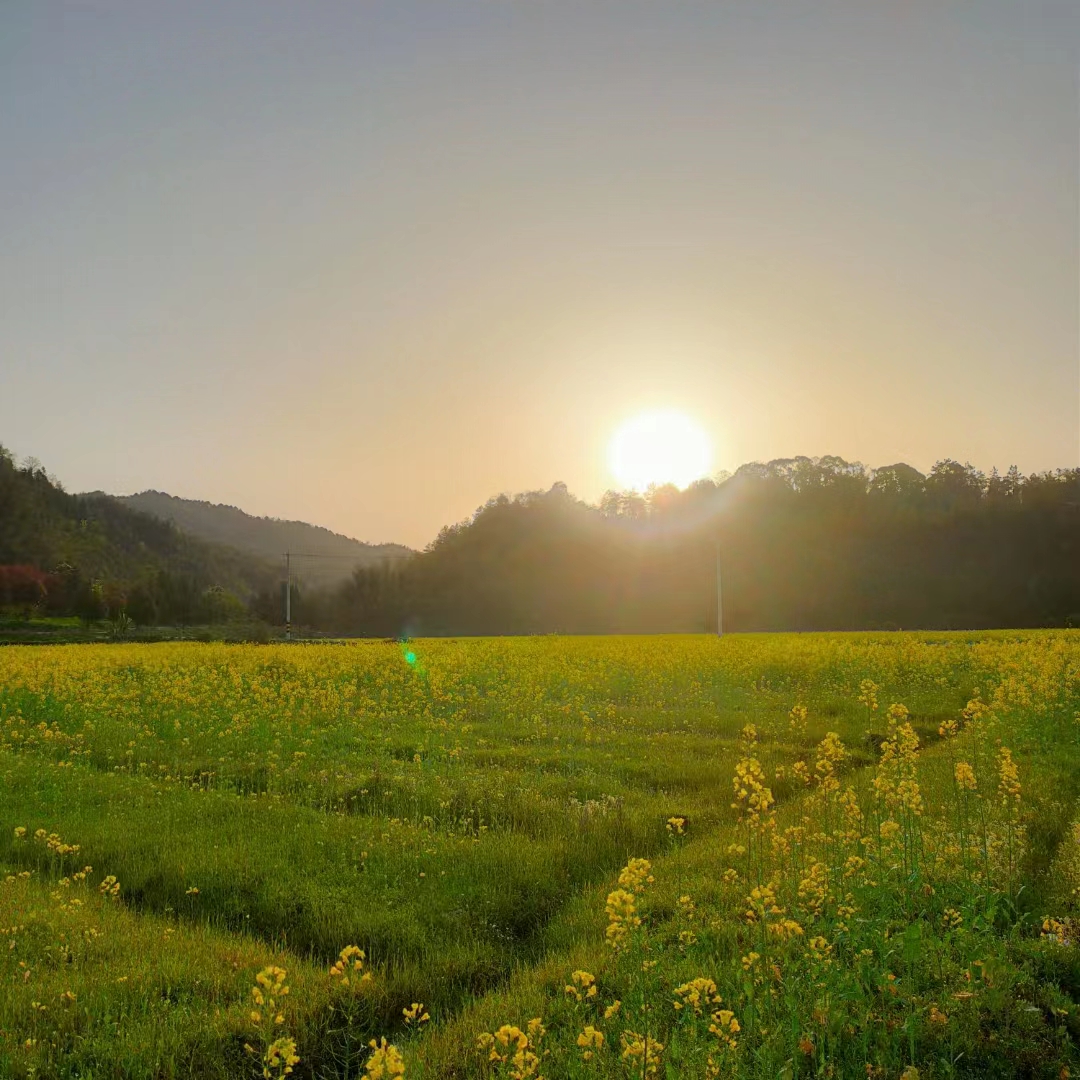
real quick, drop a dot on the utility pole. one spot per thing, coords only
(288, 596)
(719, 596)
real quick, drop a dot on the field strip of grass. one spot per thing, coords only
(146, 993)
(462, 819)
(695, 867)
(164, 917)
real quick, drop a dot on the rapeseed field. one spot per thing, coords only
(784, 855)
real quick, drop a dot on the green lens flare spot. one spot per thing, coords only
(410, 657)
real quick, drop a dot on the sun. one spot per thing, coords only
(660, 447)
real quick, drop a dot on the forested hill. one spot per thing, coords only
(805, 544)
(90, 554)
(262, 536)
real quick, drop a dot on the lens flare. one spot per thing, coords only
(661, 447)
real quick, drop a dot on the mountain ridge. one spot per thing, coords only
(91, 554)
(264, 537)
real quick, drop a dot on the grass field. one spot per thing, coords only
(861, 857)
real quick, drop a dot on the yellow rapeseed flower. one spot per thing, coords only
(582, 985)
(385, 1063)
(279, 1059)
(642, 1052)
(965, 776)
(698, 994)
(1009, 786)
(415, 1014)
(590, 1040)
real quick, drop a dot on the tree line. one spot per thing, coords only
(91, 556)
(803, 543)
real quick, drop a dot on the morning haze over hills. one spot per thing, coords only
(268, 538)
(153, 557)
(804, 543)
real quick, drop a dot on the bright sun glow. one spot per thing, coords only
(663, 447)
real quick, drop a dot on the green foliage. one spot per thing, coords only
(101, 558)
(462, 816)
(805, 544)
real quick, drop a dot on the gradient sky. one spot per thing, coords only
(369, 263)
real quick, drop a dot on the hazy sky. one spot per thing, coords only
(367, 264)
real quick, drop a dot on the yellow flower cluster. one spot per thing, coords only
(819, 950)
(797, 719)
(725, 1027)
(965, 776)
(895, 783)
(814, 889)
(976, 709)
(635, 875)
(622, 917)
(385, 1062)
(753, 798)
(621, 905)
(52, 841)
(269, 986)
(1058, 931)
(762, 903)
(581, 986)
(279, 1055)
(415, 1014)
(350, 959)
(785, 929)
(280, 1058)
(515, 1050)
(698, 994)
(1009, 773)
(641, 1052)
(831, 755)
(868, 691)
(590, 1040)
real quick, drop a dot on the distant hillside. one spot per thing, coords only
(266, 537)
(92, 546)
(804, 543)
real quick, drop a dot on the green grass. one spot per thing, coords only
(462, 818)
